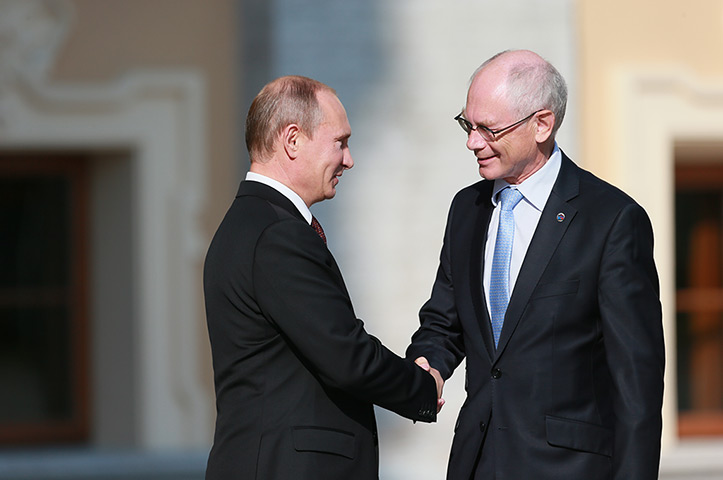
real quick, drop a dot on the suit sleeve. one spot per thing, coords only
(439, 337)
(632, 331)
(300, 290)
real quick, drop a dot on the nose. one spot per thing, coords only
(475, 141)
(348, 162)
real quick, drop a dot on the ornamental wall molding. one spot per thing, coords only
(31, 34)
(156, 118)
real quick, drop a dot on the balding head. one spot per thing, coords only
(527, 82)
(286, 100)
(515, 103)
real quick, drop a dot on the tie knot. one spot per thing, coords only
(509, 198)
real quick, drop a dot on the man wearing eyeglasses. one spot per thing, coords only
(547, 286)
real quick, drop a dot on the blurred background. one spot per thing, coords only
(121, 146)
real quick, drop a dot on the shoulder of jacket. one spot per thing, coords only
(602, 192)
(475, 192)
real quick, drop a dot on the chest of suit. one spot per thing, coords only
(553, 318)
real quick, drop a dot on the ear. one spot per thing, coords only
(291, 139)
(543, 127)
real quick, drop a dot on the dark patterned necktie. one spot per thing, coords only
(317, 228)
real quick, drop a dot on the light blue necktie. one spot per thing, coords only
(500, 277)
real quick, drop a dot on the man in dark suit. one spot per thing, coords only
(566, 380)
(295, 372)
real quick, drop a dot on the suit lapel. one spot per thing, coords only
(550, 230)
(478, 239)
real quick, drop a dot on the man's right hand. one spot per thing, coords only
(424, 364)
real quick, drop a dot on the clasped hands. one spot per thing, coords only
(424, 364)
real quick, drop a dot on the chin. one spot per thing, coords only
(487, 174)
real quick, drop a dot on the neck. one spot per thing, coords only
(275, 170)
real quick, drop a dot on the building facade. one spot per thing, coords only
(121, 146)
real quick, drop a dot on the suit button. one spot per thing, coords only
(496, 373)
(482, 426)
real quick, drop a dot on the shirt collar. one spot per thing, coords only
(284, 190)
(535, 189)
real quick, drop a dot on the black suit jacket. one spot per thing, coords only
(574, 389)
(295, 372)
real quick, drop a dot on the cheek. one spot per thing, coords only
(509, 152)
(334, 158)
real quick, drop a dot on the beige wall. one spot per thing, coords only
(110, 38)
(638, 34)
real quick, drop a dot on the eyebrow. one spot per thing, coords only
(464, 115)
(476, 125)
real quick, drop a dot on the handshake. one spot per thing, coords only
(424, 364)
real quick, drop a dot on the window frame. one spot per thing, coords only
(698, 175)
(74, 167)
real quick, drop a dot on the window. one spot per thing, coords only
(43, 338)
(699, 299)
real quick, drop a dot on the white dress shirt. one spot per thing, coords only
(284, 190)
(535, 190)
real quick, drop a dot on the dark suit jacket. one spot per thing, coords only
(574, 389)
(295, 372)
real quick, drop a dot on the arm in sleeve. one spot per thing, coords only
(439, 337)
(633, 335)
(300, 290)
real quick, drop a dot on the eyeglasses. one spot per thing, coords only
(488, 134)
